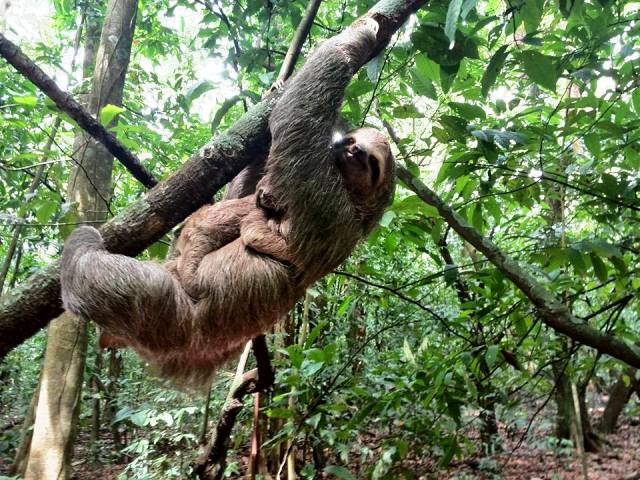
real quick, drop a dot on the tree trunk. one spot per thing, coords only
(26, 434)
(592, 441)
(565, 411)
(114, 371)
(98, 393)
(58, 402)
(89, 188)
(564, 402)
(619, 395)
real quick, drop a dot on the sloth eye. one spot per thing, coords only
(374, 165)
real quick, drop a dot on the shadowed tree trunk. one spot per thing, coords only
(89, 189)
(619, 395)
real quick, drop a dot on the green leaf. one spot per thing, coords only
(45, 212)
(222, 111)
(406, 111)
(540, 68)
(468, 111)
(620, 265)
(577, 260)
(374, 66)
(26, 100)
(387, 218)
(315, 332)
(455, 127)
(492, 206)
(599, 268)
(358, 88)
(635, 98)
(592, 141)
(108, 113)
(314, 420)
(68, 219)
(493, 69)
(531, 13)
(467, 6)
(140, 418)
(428, 67)
(313, 364)
(449, 445)
(431, 40)
(339, 472)
(605, 249)
(453, 13)
(279, 412)
(476, 217)
(492, 355)
(197, 91)
(422, 85)
(158, 250)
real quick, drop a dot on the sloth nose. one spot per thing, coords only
(359, 152)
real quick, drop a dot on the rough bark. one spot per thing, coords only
(551, 310)
(89, 187)
(58, 402)
(562, 398)
(619, 395)
(172, 200)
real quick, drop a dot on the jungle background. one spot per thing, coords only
(418, 358)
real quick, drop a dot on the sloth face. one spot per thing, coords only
(365, 161)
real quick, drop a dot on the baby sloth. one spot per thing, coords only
(241, 264)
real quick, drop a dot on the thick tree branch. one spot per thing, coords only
(172, 200)
(551, 310)
(71, 107)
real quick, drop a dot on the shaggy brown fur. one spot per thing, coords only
(241, 264)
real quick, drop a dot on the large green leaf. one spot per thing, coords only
(453, 13)
(493, 69)
(197, 91)
(108, 113)
(540, 68)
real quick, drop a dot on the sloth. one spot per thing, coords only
(241, 264)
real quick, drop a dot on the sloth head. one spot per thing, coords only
(366, 163)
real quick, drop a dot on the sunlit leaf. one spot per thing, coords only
(453, 13)
(108, 113)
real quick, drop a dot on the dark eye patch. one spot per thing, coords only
(375, 169)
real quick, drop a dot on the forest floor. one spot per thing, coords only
(535, 458)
